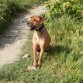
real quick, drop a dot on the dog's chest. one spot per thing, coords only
(37, 37)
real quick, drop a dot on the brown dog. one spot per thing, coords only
(41, 38)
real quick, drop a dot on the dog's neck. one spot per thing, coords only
(40, 28)
(39, 33)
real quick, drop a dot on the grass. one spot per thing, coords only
(63, 64)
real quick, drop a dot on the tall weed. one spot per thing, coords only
(67, 43)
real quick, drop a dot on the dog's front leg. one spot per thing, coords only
(34, 55)
(41, 55)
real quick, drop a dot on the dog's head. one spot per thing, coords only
(35, 22)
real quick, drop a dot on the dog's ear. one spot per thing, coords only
(41, 18)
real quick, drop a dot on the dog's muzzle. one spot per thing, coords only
(31, 26)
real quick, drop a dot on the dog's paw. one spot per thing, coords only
(31, 68)
(38, 66)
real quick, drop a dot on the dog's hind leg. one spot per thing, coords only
(48, 49)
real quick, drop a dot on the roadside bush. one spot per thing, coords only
(57, 8)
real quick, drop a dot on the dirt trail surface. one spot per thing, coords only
(16, 36)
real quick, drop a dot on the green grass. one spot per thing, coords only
(63, 64)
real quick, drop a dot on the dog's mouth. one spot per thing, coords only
(31, 26)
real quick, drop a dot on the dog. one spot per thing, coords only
(41, 38)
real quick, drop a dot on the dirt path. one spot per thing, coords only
(15, 37)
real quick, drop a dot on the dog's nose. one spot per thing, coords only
(30, 24)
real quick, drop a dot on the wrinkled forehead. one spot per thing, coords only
(31, 18)
(34, 18)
